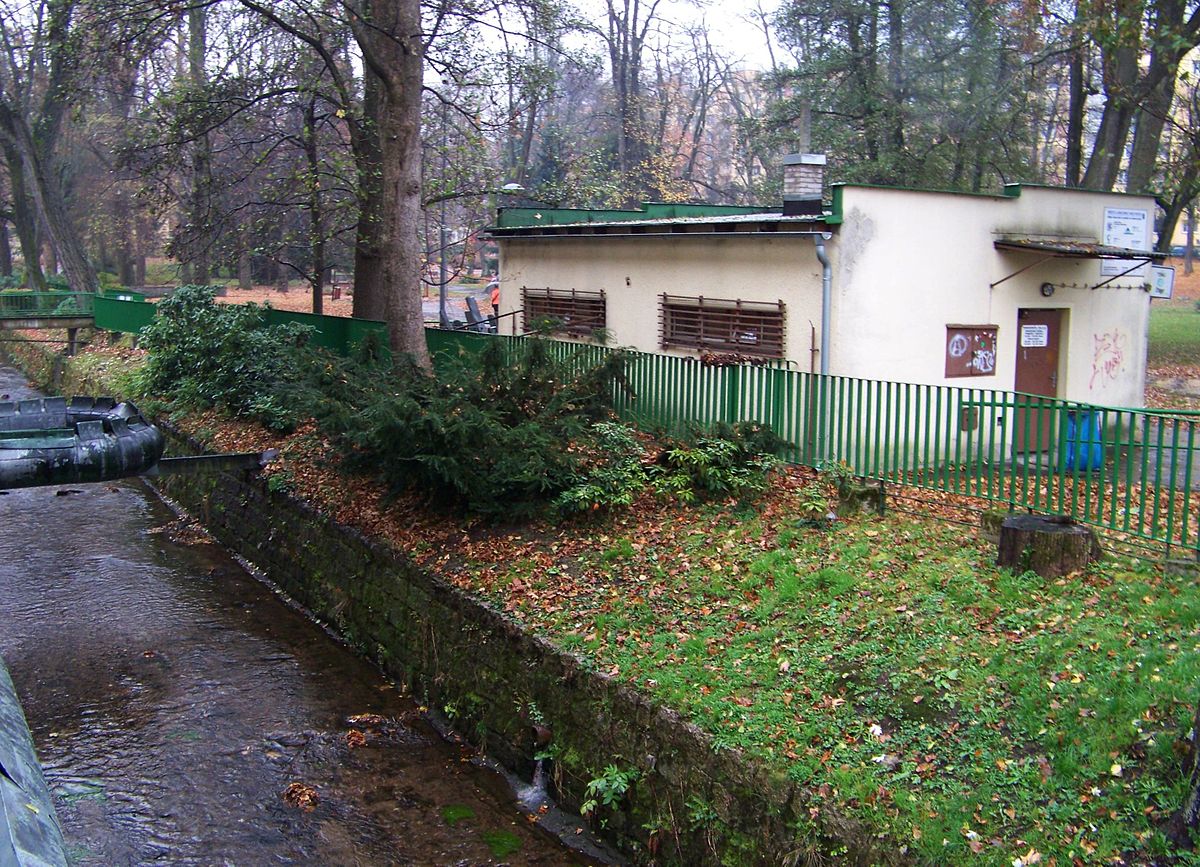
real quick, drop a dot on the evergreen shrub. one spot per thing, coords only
(500, 434)
(204, 354)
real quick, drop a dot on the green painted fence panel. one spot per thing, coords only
(121, 314)
(19, 304)
(994, 445)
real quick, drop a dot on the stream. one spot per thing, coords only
(185, 714)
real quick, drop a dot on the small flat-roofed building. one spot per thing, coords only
(1036, 289)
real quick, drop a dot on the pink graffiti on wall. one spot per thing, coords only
(1108, 356)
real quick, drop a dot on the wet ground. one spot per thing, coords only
(185, 715)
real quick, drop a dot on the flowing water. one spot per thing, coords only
(174, 699)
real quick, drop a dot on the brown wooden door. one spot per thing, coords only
(1037, 373)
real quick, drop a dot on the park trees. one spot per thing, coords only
(42, 75)
(911, 91)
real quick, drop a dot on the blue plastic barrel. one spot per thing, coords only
(1084, 446)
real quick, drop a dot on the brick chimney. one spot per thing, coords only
(803, 182)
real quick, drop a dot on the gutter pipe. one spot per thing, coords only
(826, 296)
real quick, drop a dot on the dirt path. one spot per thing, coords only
(299, 300)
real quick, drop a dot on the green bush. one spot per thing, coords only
(204, 354)
(726, 462)
(720, 462)
(612, 472)
(503, 433)
(500, 437)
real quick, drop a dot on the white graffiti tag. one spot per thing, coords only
(958, 346)
(984, 360)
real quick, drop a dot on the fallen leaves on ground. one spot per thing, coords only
(301, 796)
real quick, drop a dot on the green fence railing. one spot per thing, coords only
(45, 305)
(1131, 471)
(121, 312)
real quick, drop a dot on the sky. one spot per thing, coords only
(728, 23)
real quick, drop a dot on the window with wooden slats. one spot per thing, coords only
(563, 311)
(747, 327)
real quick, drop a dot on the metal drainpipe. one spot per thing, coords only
(826, 296)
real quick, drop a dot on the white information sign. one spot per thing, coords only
(1162, 281)
(1035, 335)
(1125, 227)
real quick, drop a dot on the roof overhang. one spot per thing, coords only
(743, 225)
(1066, 249)
(1063, 248)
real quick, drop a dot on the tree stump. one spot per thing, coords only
(855, 497)
(1051, 546)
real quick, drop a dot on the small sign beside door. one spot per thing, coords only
(1035, 335)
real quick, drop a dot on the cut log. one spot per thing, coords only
(1051, 546)
(855, 497)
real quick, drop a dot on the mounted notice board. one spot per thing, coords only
(971, 350)
(1034, 336)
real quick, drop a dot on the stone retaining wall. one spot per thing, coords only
(690, 802)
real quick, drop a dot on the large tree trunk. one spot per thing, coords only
(245, 273)
(369, 287)
(1147, 135)
(123, 220)
(198, 217)
(1189, 253)
(1109, 147)
(1076, 105)
(1161, 74)
(896, 85)
(45, 193)
(6, 259)
(316, 231)
(393, 53)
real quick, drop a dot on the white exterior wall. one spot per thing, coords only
(634, 272)
(907, 264)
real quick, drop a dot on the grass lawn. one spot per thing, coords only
(970, 714)
(1174, 335)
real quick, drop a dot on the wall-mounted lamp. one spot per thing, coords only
(1047, 290)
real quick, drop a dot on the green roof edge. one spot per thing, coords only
(524, 217)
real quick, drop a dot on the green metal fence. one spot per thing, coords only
(1131, 471)
(123, 312)
(45, 305)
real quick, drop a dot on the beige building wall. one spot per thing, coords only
(907, 264)
(634, 272)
